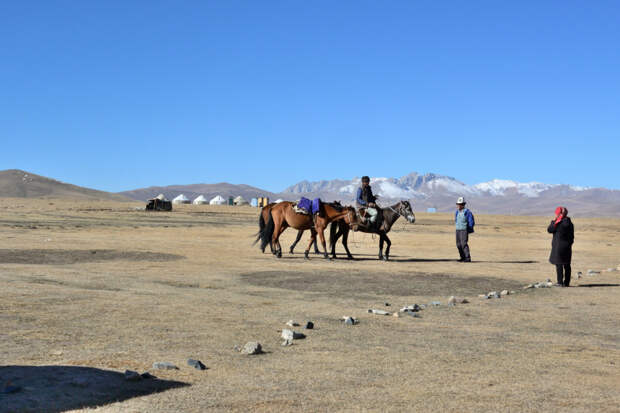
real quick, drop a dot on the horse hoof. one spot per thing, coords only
(306, 255)
(291, 251)
(350, 257)
(386, 258)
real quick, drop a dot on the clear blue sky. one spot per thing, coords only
(269, 93)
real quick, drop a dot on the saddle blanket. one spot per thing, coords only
(306, 206)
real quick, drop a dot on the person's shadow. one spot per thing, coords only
(62, 388)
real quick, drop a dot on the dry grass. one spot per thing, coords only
(168, 286)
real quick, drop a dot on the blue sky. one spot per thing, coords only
(269, 93)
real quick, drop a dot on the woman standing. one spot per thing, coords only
(562, 245)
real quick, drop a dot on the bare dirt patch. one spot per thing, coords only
(60, 257)
(365, 283)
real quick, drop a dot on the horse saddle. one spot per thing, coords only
(378, 222)
(307, 207)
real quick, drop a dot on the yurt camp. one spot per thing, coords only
(181, 199)
(240, 201)
(201, 200)
(218, 200)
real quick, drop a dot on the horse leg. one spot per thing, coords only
(387, 248)
(380, 246)
(299, 233)
(321, 232)
(279, 229)
(334, 241)
(316, 248)
(312, 241)
(345, 241)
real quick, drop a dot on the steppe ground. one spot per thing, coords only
(109, 287)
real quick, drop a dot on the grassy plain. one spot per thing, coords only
(110, 287)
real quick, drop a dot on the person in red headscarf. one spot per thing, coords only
(562, 245)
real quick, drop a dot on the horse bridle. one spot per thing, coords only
(396, 212)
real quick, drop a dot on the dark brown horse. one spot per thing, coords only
(282, 216)
(262, 222)
(389, 214)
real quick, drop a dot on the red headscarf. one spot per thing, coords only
(560, 214)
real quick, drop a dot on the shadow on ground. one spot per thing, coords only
(369, 284)
(57, 256)
(597, 285)
(61, 388)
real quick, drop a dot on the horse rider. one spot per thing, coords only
(366, 199)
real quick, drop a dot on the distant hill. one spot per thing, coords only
(193, 191)
(15, 183)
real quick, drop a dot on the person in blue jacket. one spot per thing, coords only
(365, 198)
(464, 222)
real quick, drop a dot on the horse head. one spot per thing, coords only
(404, 209)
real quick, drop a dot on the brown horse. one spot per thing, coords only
(262, 222)
(389, 214)
(282, 216)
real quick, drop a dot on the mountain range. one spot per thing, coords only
(423, 190)
(495, 197)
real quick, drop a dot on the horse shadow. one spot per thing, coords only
(396, 258)
(61, 388)
(597, 285)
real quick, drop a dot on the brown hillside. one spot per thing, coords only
(15, 183)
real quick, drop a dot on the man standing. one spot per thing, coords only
(365, 198)
(464, 221)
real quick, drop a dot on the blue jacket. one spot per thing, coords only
(470, 219)
(360, 198)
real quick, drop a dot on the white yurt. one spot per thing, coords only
(218, 200)
(200, 200)
(161, 197)
(277, 201)
(181, 199)
(240, 201)
(254, 202)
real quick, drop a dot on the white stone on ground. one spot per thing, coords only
(164, 365)
(252, 347)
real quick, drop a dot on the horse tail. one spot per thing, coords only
(267, 233)
(261, 228)
(332, 233)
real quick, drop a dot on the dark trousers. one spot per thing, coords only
(461, 243)
(563, 271)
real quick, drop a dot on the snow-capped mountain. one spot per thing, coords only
(495, 196)
(421, 186)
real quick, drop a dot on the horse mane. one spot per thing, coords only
(336, 205)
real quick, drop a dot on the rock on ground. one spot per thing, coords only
(292, 335)
(164, 365)
(131, 375)
(197, 364)
(252, 347)
(349, 320)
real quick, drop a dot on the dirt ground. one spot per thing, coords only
(89, 290)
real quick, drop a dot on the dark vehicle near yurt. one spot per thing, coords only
(159, 203)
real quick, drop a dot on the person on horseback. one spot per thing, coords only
(365, 198)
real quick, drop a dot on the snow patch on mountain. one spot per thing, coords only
(499, 187)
